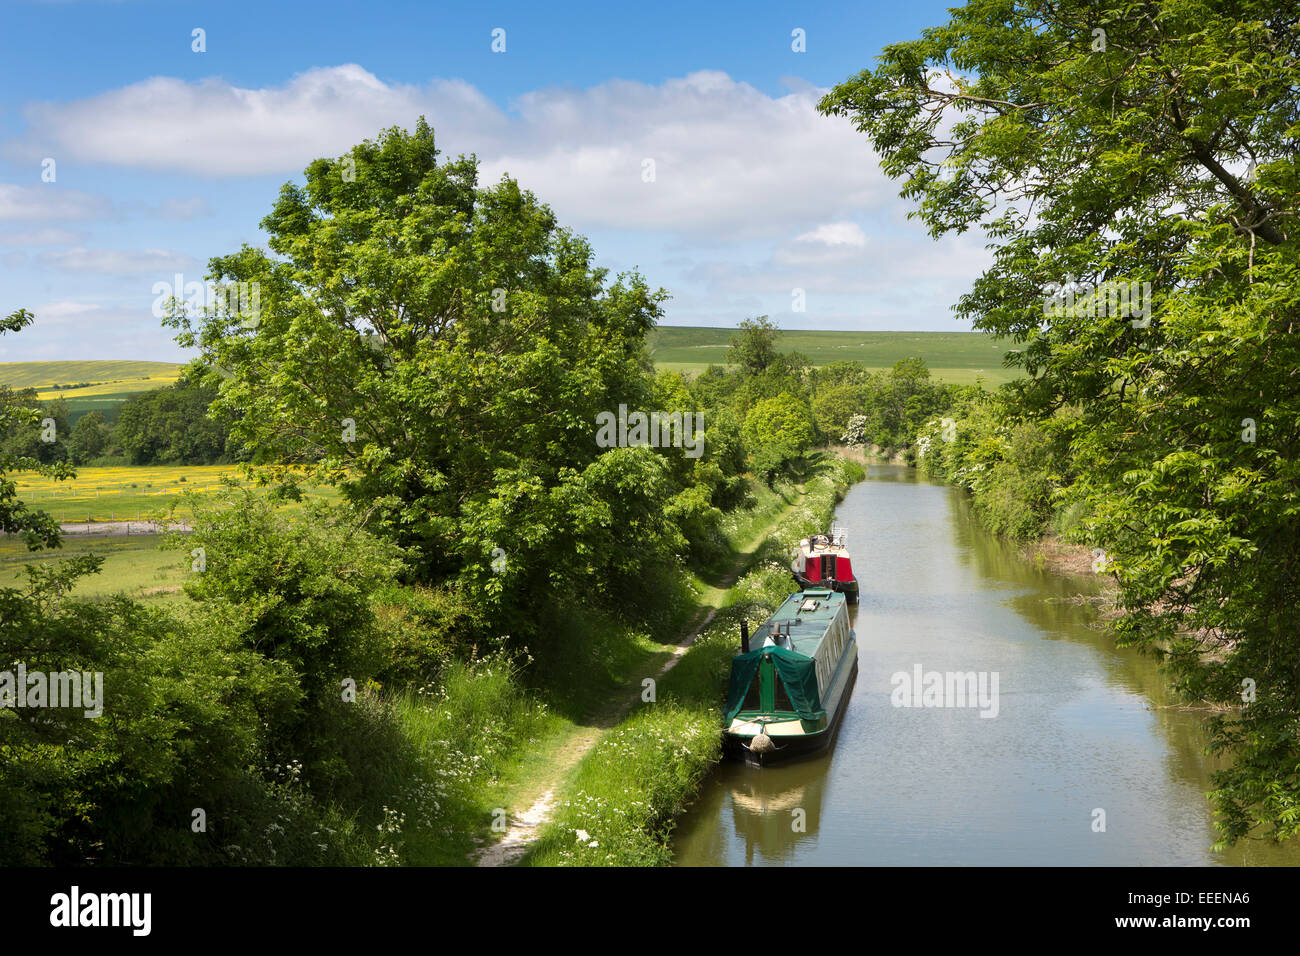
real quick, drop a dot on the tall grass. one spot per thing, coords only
(426, 769)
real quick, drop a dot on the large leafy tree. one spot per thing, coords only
(441, 349)
(1149, 142)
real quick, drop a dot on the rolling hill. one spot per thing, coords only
(100, 386)
(957, 357)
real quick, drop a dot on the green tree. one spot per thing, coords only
(31, 432)
(37, 528)
(834, 406)
(297, 591)
(180, 713)
(172, 425)
(442, 350)
(777, 431)
(1157, 143)
(753, 348)
(90, 438)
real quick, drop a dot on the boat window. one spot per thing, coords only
(753, 697)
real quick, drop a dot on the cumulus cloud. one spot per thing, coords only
(69, 329)
(211, 127)
(180, 209)
(907, 267)
(744, 195)
(701, 153)
(728, 160)
(49, 202)
(62, 311)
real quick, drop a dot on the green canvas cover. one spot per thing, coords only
(743, 668)
(797, 672)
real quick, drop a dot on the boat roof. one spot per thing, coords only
(807, 548)
(809, 614)
(836, 540)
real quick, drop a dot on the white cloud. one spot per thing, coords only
(40, 237)
(116, 261)
(728, 158)
(69, 329)
(210, 127)
(56, 312)
(908, 268)
(189, 207)
(49, 202)
(836, 234)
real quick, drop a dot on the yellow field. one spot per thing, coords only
(143, 384)
(125, 493)
(122, 374)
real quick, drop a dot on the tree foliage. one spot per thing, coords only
(441, 350)
(1152, 142)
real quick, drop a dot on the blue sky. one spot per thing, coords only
(163, 156)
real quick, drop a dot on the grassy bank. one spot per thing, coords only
(619, 806)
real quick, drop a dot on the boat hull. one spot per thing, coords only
(794, 747)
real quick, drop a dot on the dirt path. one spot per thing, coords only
(524, 828)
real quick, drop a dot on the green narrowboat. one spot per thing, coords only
(788, 691)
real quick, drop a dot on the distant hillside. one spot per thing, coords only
(101, 386)
(957, 357)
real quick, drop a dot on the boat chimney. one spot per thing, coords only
(744, 637)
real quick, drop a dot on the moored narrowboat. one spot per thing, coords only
(822, 561)
(788, 691)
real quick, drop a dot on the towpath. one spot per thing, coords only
(524, 828)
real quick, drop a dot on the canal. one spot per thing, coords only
(1081, 729)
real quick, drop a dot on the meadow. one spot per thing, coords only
(124, 492)
(134, 565)
(961, 358)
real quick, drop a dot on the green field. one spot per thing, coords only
(106, 385)
(134, 565)
(957, 357)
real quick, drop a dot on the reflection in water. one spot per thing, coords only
(1082, 726)
(772, 810)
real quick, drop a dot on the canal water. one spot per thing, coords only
(1081, 726)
